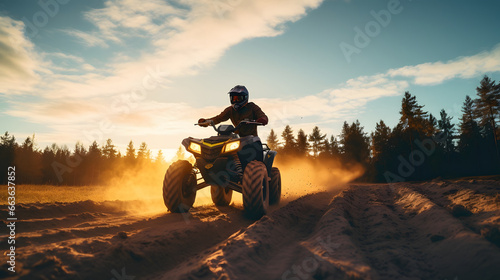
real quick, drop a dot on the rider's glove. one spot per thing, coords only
(262, 120)
(203, 122)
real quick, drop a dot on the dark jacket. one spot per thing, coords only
(249, 112)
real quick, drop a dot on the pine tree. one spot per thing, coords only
(432, 125)
(380, 140)
(8, 140)
(78, 164)
(144, 154)
(272, 140)
(7, 150)
(446, 127)
(94, 149)
(80, 149)
(109, 150)
(413, 124)
(469, 129)
(130, 154)
(412, 115)
(487, 102)
(333, 147)
(302, 144)
(289, 140)
(487, 109)
(468, 112)
(160, 159)
(94, 163)
(343, 136)
(28, 144)
(317, 140)
(355, 143)
(27, 162)
(64, 172)
(180, 154)
(48, 176)
(469, 144)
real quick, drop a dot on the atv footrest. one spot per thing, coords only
(201, 186)
(235, 187)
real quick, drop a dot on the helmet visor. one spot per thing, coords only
(236, 98)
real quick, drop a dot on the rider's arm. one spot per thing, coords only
(223, 116)
(260, 116)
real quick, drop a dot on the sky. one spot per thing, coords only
(147, 71)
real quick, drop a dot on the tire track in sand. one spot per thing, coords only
(365, 232)
(141, 244)
(375, 231)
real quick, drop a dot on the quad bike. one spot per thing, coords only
(226, 163)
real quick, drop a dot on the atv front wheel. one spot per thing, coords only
(255, 190)
(275, 186)
(221, 196)
(179, 187)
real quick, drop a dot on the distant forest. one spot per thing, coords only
(57, 165)
(420, 147)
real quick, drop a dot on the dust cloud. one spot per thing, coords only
(300, 176)
(142, 187)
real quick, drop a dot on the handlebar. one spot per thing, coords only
(251, 122)
(211, 122)
(205, 124)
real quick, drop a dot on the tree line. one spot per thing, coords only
(420, 147)
(58, 165)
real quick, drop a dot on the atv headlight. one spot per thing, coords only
(231, 146)
(193, 147)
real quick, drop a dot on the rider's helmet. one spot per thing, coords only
(238, 96)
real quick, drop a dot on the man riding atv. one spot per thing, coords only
(233, 160)
(239, 110)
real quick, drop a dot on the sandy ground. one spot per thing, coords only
(429, 230)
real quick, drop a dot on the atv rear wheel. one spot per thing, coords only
(221, 196)
(275, 186)
(255, 190)
(179, 187)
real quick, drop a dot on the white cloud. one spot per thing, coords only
(210, 29)
(349, 99)
(463, 67)
(91, 40)
(345, 101)
(182, 40)
(19, 63)
(124, 18)
(66, 56)
(61, 63)
(55, 113)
